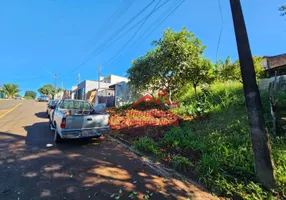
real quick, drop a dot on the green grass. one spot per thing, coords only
(210, 99)
(28, 98)
(225, 165)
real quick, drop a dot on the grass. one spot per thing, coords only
(28, 98)
(210, 99)
(225, 165)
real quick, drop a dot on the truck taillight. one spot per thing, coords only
(63, 124)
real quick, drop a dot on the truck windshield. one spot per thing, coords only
(75, 105)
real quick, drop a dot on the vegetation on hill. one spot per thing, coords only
(214, 145)
(217, 148)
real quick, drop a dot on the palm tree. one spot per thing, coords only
(282, 9)
(11, 90)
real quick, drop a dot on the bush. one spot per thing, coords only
(32, 94)
(213, 98)
(226, 164)
(28, 98)
(146, 144)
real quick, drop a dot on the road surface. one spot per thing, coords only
(32, 167)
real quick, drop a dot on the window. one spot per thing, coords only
(75, 105)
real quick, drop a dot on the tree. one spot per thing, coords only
(32, 94)
(231, 71)
(142, 74)
(60, 90)
(11, 90)
(227, 70)
(282, 9)
(200, 72)
(176, 60)
(259, 70)
(47, 90)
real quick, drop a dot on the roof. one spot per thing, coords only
(276, 61)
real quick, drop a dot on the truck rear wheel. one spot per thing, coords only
(57, 137)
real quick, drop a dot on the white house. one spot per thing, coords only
(88, 88)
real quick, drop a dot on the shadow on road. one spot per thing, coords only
(42, 115)
(97, 169)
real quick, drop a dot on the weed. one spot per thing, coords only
(146, 144)
(181, 163)
(225, 164)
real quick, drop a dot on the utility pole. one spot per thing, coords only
(63, 90)
(78, 78)
(55, 84)
(55, 80)
(98, 76)
(264, 166)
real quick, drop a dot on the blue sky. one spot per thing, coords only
(57, 35)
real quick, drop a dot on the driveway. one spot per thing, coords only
(32, 167)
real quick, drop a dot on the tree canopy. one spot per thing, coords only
(11, 90)
(47, 90)
(228, 70)
(32, 94)
(282, 9)
(177, 59)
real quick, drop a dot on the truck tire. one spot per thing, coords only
(57, 137)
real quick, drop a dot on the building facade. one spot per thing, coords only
(91, 90)
(275, 65)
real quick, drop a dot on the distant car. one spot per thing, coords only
(43, 99)
(51, 105)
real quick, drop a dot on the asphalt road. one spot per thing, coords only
(32, 167)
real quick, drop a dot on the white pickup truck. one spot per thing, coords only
(72, 119)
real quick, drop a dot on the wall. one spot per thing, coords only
(118, 79)
(263, 84)
(125, 95)
(113, 79)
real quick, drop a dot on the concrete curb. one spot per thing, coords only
(160, 169)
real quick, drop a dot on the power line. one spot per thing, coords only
(221, 29)
(115, 17)
(134, 33)
(163, 19)
(112, 38)
(159, 21)
(112, 19)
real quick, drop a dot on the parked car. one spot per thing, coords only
(72, 119)
(51, 105)
(43, 98)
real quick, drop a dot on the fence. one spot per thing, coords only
(263, 84)
(108, 100)
(276, 86)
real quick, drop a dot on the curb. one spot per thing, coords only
(160, 169)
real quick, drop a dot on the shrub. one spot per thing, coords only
(181, 163)
(146, 144)
(225, 165)
(213, 98)
(28, 98)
